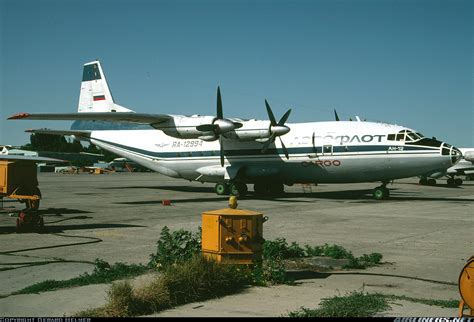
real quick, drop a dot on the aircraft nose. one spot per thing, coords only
(454, 153)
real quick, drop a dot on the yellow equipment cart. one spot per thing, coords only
(18, 180)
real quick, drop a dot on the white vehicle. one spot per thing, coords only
(465, 166)
(234, 152)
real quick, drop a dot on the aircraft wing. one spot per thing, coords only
(31, 159)
(107, 116)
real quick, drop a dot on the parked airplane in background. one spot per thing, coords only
(234, 152)
(465, 166)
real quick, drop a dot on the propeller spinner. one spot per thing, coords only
(276, 129)
(220, 125)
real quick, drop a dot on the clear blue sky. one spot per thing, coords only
(403, 62)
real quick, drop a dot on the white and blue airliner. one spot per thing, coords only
(234, 152)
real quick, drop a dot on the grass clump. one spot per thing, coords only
(355, 304)
(194, 280)
(103, 273)
(441, 303)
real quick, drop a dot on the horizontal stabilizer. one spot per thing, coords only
(105, 116)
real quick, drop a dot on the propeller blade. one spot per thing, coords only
(313, 140)
(268, 142)
(284, 117)
(335, 115)
(207, 127)
(270, 114)
(221, 143)
(219, 104)
(284, 149)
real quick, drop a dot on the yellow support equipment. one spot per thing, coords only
(466, 288)
(232, 236)
(18, 180)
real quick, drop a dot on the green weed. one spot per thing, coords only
(103, 273)
(355, 304)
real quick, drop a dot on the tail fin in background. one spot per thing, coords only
(95, 95)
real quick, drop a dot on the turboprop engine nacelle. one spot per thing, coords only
(469, 156)
(184, 127)
(251, 130)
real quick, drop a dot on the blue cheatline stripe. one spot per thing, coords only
(381, 149)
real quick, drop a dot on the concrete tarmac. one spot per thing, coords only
(424, 233)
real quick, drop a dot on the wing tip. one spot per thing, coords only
(19, 116)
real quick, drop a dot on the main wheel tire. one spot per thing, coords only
(450, 182)
(458, 181)
(238, 189)
(423, 181)
(221, 188)
(431, 182)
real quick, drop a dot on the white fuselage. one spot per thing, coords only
(319, 152)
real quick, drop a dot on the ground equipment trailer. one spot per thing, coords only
(18, 180)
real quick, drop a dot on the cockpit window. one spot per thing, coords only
(405, 135)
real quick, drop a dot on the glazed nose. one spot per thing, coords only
(448, 149)
(456, 155)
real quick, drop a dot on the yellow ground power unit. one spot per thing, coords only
(232, 236)
(466, 288)
(18, 180)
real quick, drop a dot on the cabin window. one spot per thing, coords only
(327, 149)
(400, 136)
(391, 137)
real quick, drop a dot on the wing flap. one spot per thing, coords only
(79, 133)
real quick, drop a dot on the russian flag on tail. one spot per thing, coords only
(99, 98)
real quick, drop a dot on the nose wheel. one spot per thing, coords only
(381, 193)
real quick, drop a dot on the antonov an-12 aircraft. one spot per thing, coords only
(234, 152)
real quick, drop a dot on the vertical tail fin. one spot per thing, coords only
(95, 95)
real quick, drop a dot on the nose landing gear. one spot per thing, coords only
(381, 192)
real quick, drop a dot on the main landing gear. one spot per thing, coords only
(261, 189)
(454, 182)
(234, 188)
(381, 192)
(427, 182)
(451, 182)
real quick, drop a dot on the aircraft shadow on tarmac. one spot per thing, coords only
(170, 188)
(49, 229)
(358, 196)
